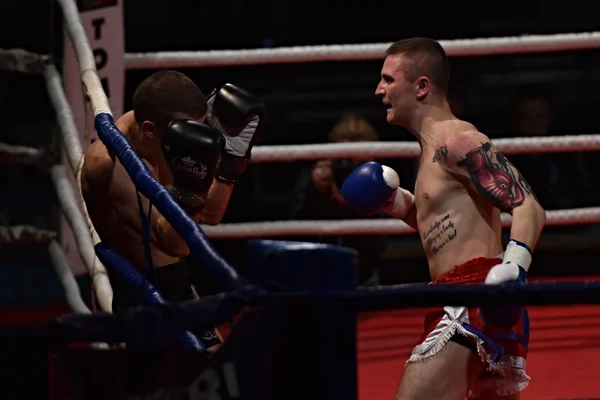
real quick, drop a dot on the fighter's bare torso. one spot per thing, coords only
(455, 224)
(112, 205)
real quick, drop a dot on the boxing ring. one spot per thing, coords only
(296, 339)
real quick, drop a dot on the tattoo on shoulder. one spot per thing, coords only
(441, 232)
(495, 178)
(440, 153)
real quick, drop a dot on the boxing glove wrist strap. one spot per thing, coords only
(231, 168)
(518, 253)
(191, 202)
(401, 203)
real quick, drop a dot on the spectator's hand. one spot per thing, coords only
(337, 195)
(322, 176)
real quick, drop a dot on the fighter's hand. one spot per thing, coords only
(513, 270)
(372, 188)
(240, 117)
(192, 150)
(517, 259)
(504, 273)
(322, 176)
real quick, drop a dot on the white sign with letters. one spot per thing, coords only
(103, 24)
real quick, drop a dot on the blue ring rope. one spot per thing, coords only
(145, 289)
(189, 230)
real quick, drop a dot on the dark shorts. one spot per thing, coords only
(174, 282)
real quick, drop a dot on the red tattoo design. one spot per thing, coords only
(496, 182)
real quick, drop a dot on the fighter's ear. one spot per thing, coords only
(149, 129)
(423, 86)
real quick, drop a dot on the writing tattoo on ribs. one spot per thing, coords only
(497, 181)
(441, 153)
(439, 234)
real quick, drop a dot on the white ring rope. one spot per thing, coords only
(64, 118)
(358, 52)
(247, 230)
(67, 279)
(19, 60)
(71, 141)
(553, 144)
(19, 154)
(85, 57)
(374, 150)
(80, 222)
(378, 226)
(25, 234)
(82, 235)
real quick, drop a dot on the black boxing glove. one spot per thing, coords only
(193, 151)
(239, 116)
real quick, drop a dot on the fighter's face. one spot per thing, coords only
(396, 92)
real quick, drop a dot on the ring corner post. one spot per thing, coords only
(320, 336)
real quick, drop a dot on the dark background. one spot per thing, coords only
(306, 100)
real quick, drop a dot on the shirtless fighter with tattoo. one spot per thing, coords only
(463, 183)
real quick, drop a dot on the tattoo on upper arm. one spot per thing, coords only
(515, 173)
(441, 153)
(495, 178)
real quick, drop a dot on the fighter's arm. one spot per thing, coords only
(103, 175)
(162, 234)
(217, 200)
(402, 206)
(239, 116)
(474, 157)
(411, 218)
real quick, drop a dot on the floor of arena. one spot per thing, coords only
(562, 360)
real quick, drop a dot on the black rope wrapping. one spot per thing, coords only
(202, 314)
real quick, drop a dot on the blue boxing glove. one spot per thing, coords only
(517, 258)
(372, 188)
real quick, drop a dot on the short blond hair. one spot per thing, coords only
(352, 128)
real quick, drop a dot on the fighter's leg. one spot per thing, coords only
(447, 375)
(176, 283)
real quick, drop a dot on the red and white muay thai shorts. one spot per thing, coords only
(504, 350)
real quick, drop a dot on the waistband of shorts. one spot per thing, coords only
(473, 271)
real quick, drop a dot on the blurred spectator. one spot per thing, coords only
(317, 196)
(559, 180)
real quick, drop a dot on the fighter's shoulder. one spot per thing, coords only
(125, 121)
(460, 143)
(98, 164)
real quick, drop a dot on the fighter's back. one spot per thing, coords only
(112, 205)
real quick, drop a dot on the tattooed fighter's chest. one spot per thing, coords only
(432, 188)
(437, 198)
